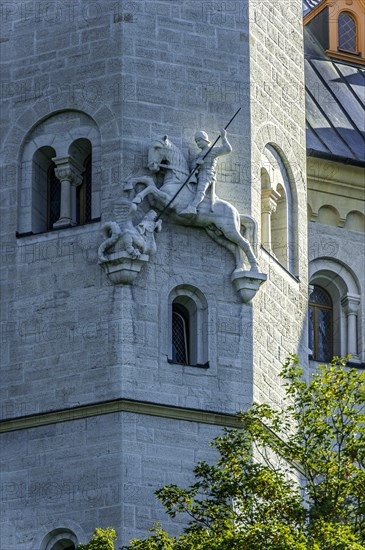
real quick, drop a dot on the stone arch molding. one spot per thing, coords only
(269, 134)
(343, 286)
(103, 117)
(59, 130)
(197, 305)
(279, 207)
(54, 532)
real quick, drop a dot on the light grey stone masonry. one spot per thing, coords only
(140, 70)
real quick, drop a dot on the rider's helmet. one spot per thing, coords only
(202, 135)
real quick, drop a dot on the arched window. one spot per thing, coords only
(180, 334)
(335, 298)
(60, 539)
(278, 222)
(320, 324)
(347, 33)
(58, 165)
(188, 323)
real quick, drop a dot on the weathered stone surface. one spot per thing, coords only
(138, 70)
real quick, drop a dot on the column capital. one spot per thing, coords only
(67, 168)
(350, 303)
(269, 199)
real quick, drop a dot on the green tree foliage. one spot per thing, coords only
(250, 498)
(102, 539)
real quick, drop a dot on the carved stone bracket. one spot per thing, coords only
(121, 268)
(247, 283)
(127, 247)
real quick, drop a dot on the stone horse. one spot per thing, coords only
(223, 225)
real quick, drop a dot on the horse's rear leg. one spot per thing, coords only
(244, 246)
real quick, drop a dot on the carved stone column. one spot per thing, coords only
(350, 304)
(269, 198)
(69, 172)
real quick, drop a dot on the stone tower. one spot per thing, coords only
(98, 409)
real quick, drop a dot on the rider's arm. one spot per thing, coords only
(226, 147)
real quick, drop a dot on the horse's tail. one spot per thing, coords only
(250, 230)
(112, 232)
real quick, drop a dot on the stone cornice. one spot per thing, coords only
(170, 412)
(119, 405)
(341, 178)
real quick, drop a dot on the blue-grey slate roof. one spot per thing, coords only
(308, 5)
(335, 105)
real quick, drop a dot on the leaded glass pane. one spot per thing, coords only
(319, 296)
(311, 329)
(87, 183)
(346, 33)
(84, 195)
(54, 197)
(324, 327)
(179, 339)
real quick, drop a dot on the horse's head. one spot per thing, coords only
(157, 153)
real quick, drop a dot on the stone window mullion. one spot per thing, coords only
(350, 304)
(69, 172)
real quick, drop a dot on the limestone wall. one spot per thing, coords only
(69, 337)
(99, 471)
(277, 118)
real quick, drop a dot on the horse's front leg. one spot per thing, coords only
(151, 190)
(132, 182)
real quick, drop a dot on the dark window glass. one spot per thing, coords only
(53, 196)
(64, 545)
(83, 195)
(180, 332)
(320, 325)
(346, 33)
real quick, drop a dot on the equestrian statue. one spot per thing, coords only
(188, 195)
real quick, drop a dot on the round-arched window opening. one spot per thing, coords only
(187, 336)
(347, 39)
(64, 544)
(60, 539)
(320, 313)
(180, 334)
